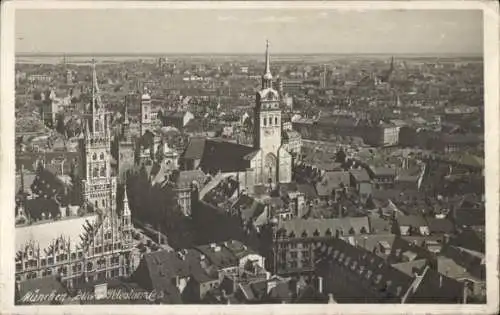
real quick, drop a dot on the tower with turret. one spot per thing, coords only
(99, 187)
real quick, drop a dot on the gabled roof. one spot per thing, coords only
(220, 256)
(249, 207)
(411, 220)
(331, 181)
(360, 175)
(226, 156)
(440, 226)
(195, 149)
(411, 267)
(321, 227)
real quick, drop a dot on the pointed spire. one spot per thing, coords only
(126, 209)
(94, 85)
(267, 78)
(268, 67)
(125, 114)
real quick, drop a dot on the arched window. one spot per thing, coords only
(94, 156)
(264, 121)
(96, 204)
(96, 172)
(102, 156)
(103, 171)
(276, 120)
(103, 202)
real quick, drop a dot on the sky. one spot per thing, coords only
(246, 30)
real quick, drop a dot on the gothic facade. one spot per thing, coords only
(95, 245)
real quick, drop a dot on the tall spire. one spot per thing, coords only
(94, 84)
(267, 78)
(268, 68)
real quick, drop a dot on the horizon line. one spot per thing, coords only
(159, 54)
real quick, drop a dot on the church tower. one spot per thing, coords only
(267, 131)
(267, 113)
(145, 112)
(99, 187)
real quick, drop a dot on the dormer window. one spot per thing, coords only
(368, 274)
(304, 234)
(399, 291)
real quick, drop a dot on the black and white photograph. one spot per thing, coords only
(230, 154)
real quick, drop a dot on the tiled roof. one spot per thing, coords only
(249, 207)
(238, 248)
(323, 226)
(195, 149)
(218, 255)
(440, 226)
(308, 190)
(369, 269)
(331, 181)
(411, 220)
(383, 171)
(410, 266)
(226, 156)
(360, 175)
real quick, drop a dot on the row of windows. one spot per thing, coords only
(77, 268)
(98, 172)
(269, 122)
(106, 248)
(101, 156)
(33, 263)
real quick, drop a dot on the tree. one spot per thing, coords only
(340, 156)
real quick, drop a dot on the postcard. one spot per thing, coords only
(249, 157)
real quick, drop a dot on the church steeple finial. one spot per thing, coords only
(268, 68)
(267, 77)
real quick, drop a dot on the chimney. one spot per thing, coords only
(465, 294)
(331, 300)
(320, 285)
